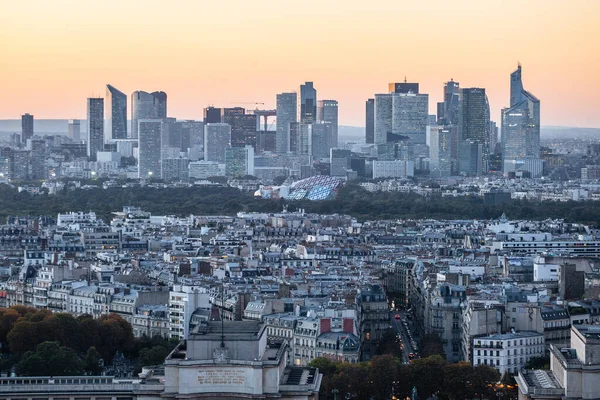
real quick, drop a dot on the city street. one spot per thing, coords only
(398, 326)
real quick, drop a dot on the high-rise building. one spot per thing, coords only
(370, 121)
(95, 127)
(327, 111)
(146, 105)
(150, 148)
(176, 168)
(239, 161)
(339, 160)
(286, 113)
(75, 129)
(493, 137)
(243, 126)
(38, 159)
(473, 127)
(26, 127)
(383, 117)
(212, 115)
(217, 137)
(321, 140)
(306, 103)
(410, 114)
(447, 111)
(403, 87)
(440, 151)
(115, 113)
(520, 122)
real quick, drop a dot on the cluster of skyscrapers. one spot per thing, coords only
(461, 138)
(401, 137)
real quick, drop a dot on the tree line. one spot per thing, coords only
(39, 342)
(351, 199)
(385, 376)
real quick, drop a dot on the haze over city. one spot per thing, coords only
(56, 54)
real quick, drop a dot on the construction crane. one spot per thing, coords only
(256, 103)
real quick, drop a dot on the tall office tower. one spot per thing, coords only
(473, 127)
(160, 104)
(217, 137)
(304, 138)
(440, 151)
(212, 115)
(447, 111)
(239, 161)
(243, 126)
(146, 105)
(286, 113)
(306, 103)
(95, 127)
(403, 87)
(115, 113)
(493, 137)
(294, 133)
(26, 127)
(38, 159)
(173, 169)
(195, 132)
(370, 121)
(410, 114)
(383, 117)
(327, 111)
(19, 165)
(520, 122)
(75, 129)
(321, 140)
(150, 148)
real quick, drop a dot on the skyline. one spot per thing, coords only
(249, 52)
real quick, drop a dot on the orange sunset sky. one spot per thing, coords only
(56, 53)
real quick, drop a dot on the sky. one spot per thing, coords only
(55, 54)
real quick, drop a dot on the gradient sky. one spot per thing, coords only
(54, 54)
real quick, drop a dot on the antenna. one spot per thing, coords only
(404, 78)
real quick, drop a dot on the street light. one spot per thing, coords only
(335, 394)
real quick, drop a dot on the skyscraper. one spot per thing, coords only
(370, 121)
(410, 114)
(146, 105)
(37, 159)
(212, 115)
(26, 128)
(286, 113)
(321, 140)
(403, 87)
(473, 128)
(383, 117)
(447, 112)
(95, 127)
(306, 103)
(217, 137)
(327, 111)
(243, 126)
(520, 122)
(115, 113)
(75, 129)
(150, 148)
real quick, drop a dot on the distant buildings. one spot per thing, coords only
(239, 161)
(286, 114)
(115, 113)
(146, 105)
(95, 127)
(370, 121)
(327, 112)
(473, 130)
(74, 129)
(447, 111)
(217, 137)
(520, 123)
(26, 128)
(150, 146)
(306, 103)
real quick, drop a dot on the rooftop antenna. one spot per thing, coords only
(404, 78)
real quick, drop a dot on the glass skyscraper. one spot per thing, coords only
(150, 148)
(286, 114)
(95, 127)
(370, 121)
(327, 111)
(116, 113)
(473, 129)
(146, 105)
(520, 122)
(307, 103)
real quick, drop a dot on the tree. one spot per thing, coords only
(426, 374)
(92, 362)
(382, 374)
(456, 380)
(483, 379)
(23, 337)
(50, 359)
(431, 345)
(116, 334)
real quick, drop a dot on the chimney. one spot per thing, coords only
(348, 326)
(325, 325)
